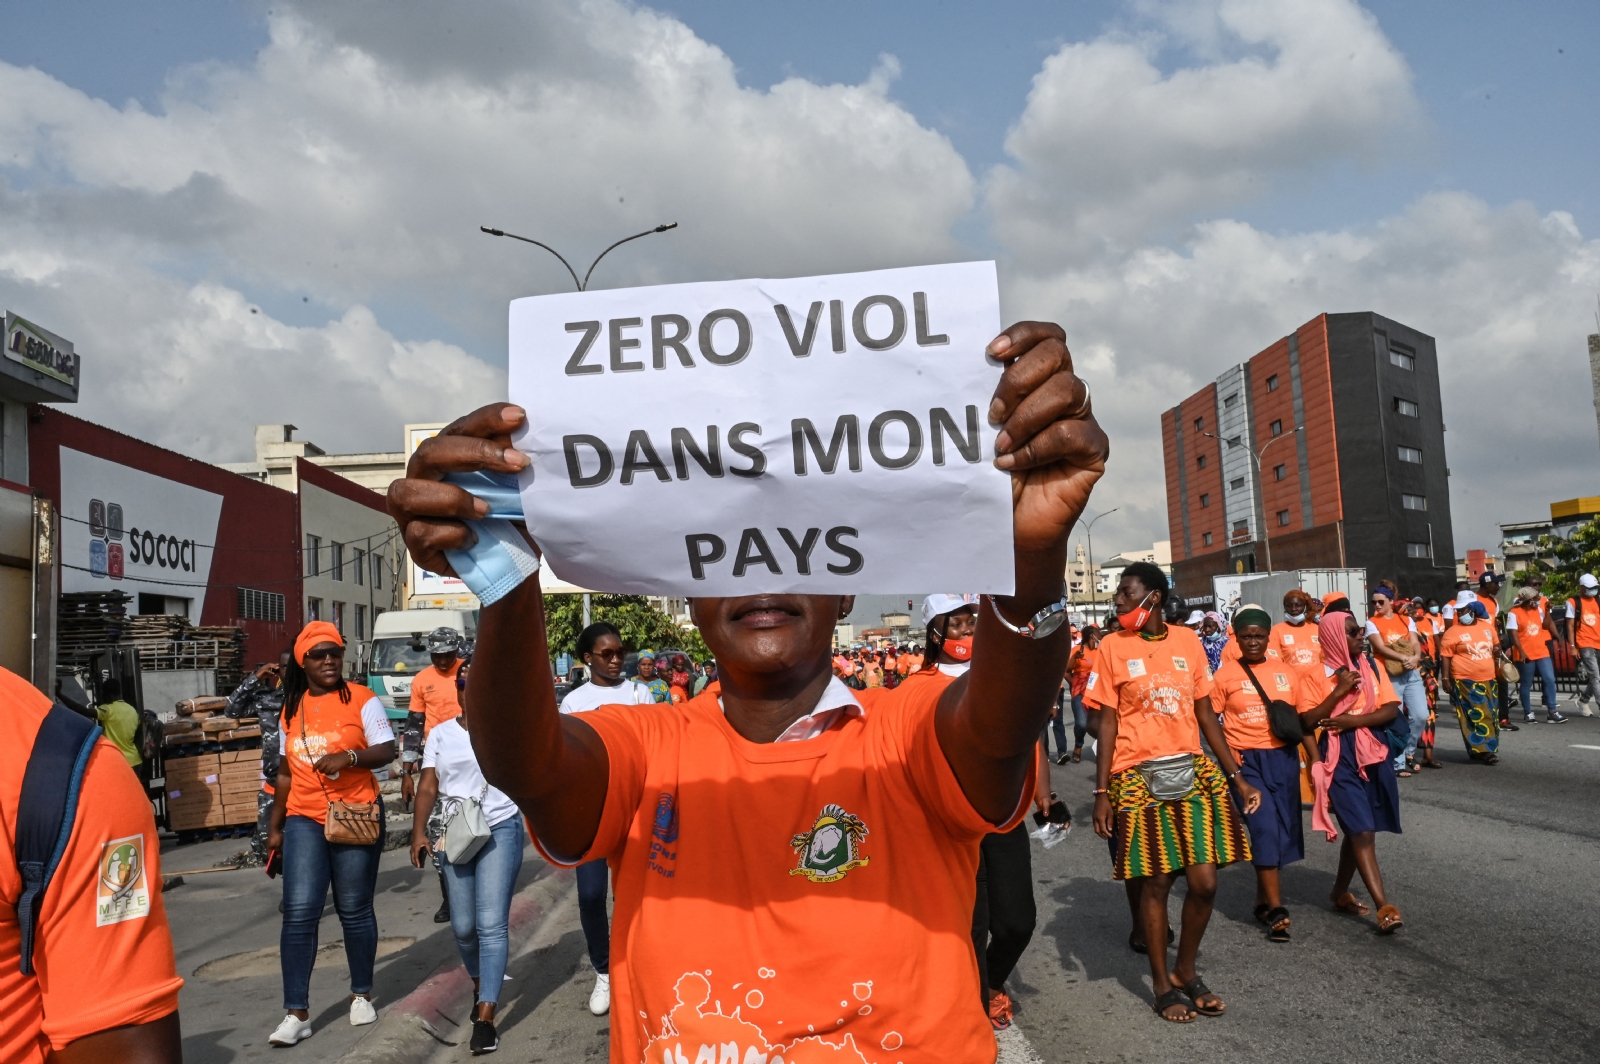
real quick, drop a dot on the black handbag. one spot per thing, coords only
(1282, 719)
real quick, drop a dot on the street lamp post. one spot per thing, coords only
(1255, 460)
(1094, 589)
(583, 286)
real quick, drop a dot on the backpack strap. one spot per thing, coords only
(47, 810)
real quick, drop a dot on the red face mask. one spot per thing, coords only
(960, 649)
(1134, 620)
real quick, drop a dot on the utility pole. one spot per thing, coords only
(1255, 461)
(1094, 584)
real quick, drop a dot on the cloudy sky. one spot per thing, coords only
(251, 212)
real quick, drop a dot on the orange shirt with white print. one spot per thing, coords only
(1244, 715)
(1529, 625)
(1585, 614)
(1152, 684)
(103, 955)
(326, 724)
(1296, 644)
(1393, 629)
(1470, 648)
(1316, 684)
(434, 695)
(807, 900)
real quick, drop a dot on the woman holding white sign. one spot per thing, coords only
(795, 863)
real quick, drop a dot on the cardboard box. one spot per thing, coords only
(183, 738)
(190, 768)
(252, 732)
(216, 724)
(228, 756)
(185, 820)
(203, 704)
(239, 814)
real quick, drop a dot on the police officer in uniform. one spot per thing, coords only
(261, 696)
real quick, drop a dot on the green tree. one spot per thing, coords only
(1579, 553)
(642, 625)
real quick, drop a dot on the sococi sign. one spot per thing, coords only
(811, 434)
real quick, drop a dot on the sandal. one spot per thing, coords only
(1277, 922)
(1404, 774)
(1261, 912)
(1433, 764)
(1077, 754)
(1195, 990)
(1347, 903)
(1389, 920)
(1174, 997)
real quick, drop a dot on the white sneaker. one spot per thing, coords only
(291, 1031)
(600, 1000)
(362, 1012)
(1583, 707)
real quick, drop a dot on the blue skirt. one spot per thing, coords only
(1371, 804)
(1277, 836)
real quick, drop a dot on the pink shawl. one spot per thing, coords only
(1369, 748)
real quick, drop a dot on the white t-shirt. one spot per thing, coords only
(373, 721)
(593, 695)
(449, 753)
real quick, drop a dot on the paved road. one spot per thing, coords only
(1496, 874)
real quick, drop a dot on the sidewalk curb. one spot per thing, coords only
(413, 1028)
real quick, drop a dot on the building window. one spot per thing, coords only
(260, 605)
(1200, 462)
(313, 549)
(1279, 472)
(1199, 424)
(358, 561)
(377, 573)
(1418, 550)
(1402, 357)
(338, 617)
(1411, 454)
(1272, 383)
(1237, 484)
(1283, 518)
(1241, 530)
(1205, 538)
(1405, 407)
(1414, 502)
(313, 609)
(1277, 428)
(336, 562)
(1230, 401)
(1205, 500)
(361, 622)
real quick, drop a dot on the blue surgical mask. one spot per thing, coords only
(1433, 609)
(1295, 618)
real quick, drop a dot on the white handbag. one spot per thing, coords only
(467, 829)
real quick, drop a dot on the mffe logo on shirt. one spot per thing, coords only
(122, 890)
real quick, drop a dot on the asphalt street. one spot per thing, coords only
(1495, 874)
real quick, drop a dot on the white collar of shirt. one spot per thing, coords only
(837, 702)
(958, 669)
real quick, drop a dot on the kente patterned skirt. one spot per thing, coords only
(1150, 837)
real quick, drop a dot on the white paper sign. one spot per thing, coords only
(815, 434)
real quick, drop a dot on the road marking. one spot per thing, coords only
(1015, 1047)
(1583, 746)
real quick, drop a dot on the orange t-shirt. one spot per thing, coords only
(104, 953)
(1531, 630)
(808, 900)
(1393, 629)
(1470, 648)
(323, 724)
(434, 694)
(1490, 603)
(1296, 644)
(1316, 683)
(1153, 685)
(1585, 614)
(1244, 715)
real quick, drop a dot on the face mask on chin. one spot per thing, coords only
(960, 649)
(1135, 619)
(1295, 618)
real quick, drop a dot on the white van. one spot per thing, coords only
(400, 651)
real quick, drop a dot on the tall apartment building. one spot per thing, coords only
(1362, 483)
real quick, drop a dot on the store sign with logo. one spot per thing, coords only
(132, 531)
(41, 350)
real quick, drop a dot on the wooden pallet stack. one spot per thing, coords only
(89, 621)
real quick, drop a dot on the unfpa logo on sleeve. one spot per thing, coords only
(831, 848)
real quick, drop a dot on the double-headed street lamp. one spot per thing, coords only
(583, 286)
(1094, 584)
(1255, 459)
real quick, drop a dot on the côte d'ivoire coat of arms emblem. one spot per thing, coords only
(831, 848)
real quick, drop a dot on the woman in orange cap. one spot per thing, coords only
(333, 734)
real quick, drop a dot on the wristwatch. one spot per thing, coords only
(1041, 624)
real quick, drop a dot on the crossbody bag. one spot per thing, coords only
(1282, 720)
(348, 823)
(467, 829)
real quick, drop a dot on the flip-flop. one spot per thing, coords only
(1277, 922)
(1195, 990)
(1347, 903)
(1261, 912)
(1170, 998)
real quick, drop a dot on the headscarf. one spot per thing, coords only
(1251, 614)
(312, 634)
(1213, 644)
(1369, 748)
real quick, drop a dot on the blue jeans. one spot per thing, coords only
(1545, 669)
(310, 861)
(593, 880)
(480, 905)
(1413, 692)
(1080, 720)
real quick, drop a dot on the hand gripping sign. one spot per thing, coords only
(815, 434)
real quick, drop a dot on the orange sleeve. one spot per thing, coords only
(1100, 687)
(1447, 647)
(88, 929)
(627, 751)
(1309, 693)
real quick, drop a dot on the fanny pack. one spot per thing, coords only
(1168, 778)
(1282, 720)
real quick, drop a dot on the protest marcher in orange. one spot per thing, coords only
(1529, 634)
(803, 805)
(1470, 652)
(1294, 640)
